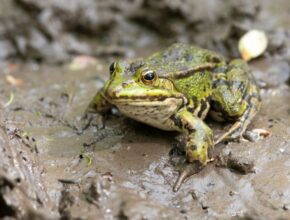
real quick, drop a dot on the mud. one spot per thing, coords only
(52, 31)
(122, 169)
(56, 165)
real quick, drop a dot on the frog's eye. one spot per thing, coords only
(149, 76)
(112, 67)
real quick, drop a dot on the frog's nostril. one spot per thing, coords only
(128, 83)
(116, 92)
(124, 85)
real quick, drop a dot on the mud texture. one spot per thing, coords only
(52, 31)
(56, 165)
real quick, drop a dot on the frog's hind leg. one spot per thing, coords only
(237, 130)
(235, 98)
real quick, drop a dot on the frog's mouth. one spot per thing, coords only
(140, 98)
(144, 100)
(118, 97)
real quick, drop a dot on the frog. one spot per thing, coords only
(176, 89)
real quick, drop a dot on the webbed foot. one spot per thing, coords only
(186, 171)
(198, 146)
(235, 133)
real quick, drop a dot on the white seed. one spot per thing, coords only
(253, 44)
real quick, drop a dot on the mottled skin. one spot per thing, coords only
(176, 89)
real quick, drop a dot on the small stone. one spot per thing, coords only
(253, 44)
(256, 134)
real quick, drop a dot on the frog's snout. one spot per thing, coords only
(114, 91)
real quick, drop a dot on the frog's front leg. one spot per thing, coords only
(235, 98)
(99, 104)
(199, 143)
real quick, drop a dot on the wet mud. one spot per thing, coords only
(57, 165)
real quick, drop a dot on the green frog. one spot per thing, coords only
(176, 89)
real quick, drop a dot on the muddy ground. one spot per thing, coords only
(55, 165)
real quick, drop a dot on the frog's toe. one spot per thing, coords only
(235, 137)
(186, 171)
(242, 139)
(238, 136)
(234, 134)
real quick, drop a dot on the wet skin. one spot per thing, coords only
(176, 89)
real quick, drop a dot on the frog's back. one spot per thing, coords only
(188, 67)
(181, 57)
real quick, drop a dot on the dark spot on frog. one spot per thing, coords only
(176, 151)
(136, 65)
(202, 72)
(125, 84)
(114, 93)
(222, 69)
(190, 109)
(177, 121)
(210, 152)
(188, 57)
(202, 108)
(219, 82)
(193, 147)
(189, 128)
(213, 59)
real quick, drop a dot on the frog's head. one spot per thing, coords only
(134, 85)
(135, 82)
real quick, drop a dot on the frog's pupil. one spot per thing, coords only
(149, 75)
(112, 68)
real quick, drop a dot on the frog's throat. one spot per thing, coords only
(154, 113)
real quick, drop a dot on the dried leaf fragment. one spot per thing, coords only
(81, 62)
(13, 81)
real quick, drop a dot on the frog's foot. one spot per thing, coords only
(193, 166)
(199, 144)
(186, 171)
(235, 133)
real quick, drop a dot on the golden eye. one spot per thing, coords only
(149, 76)
(112, 67)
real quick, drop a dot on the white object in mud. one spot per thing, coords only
(253, 44)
